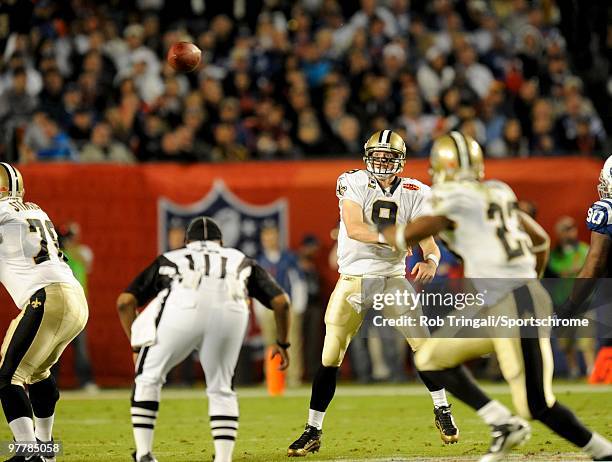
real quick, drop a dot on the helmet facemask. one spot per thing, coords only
(604, 188)
(384, 163)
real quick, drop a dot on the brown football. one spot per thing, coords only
(184, 56)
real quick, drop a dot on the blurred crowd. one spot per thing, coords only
(88, 81)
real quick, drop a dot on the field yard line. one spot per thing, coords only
(304, 392)
(556, 457)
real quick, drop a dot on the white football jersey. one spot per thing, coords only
(29, 255)
(404, 201)
(487, 234)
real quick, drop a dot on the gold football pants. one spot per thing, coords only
(526, 363)
(37, 337)
(346, 311)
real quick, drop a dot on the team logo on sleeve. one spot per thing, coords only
(340, 188)
(240, 222)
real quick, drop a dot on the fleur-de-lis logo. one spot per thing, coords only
(36, 303)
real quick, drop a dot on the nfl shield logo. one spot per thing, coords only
(240, 222)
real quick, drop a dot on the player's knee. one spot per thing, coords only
(426, 360)
(332, 356)
(334, 349)
(146, 391)
(539, 411)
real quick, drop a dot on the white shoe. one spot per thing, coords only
(506, 437)
(91, 388)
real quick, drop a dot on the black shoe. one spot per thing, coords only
(446, 424)
(146, 458)
(48, 456)
(604, 458)
(23, 459)
(310, 441)
(505, 437)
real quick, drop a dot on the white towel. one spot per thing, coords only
(144, 331)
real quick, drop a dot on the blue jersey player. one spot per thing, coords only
(597, 264)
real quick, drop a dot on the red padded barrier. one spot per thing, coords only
(117, 209)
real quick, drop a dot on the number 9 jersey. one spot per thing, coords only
(599, 217)
(487, 234)
(405, 200)
(30, 258)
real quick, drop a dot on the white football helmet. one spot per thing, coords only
(605, 180)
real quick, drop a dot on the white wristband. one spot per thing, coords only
(434, 258)
(400, 238)
(381, 238)
(540, 248)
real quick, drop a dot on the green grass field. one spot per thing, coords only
(363, 423)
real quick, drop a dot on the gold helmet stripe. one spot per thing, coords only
(12, 177)
(463, 154)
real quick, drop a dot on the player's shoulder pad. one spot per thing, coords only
(411, 184)
(233, 253)
(356, 177)
(499, 186)
(354, 180)
(599, 216)
(4, 206)
(452, 187)
(173, 255)
(464, 193)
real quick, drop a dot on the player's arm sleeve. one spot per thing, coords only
(145, 286)
(599, 217)
(422, 204)
(347, 187)
(262, 286)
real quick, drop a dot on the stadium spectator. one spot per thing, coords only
(80, 259)
(511, 144)
(283, 265)
(314, 312)
(566, 260)
(16, 105)
(474, 63)
(102, 147)
(434, 76)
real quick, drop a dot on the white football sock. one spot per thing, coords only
(143, 437)
(315, 418)
(598, 446)
(23, 429)
(43, 428)
(494, 413)
(224, 450)
(224, 431)
(143, 426)
(439, 398)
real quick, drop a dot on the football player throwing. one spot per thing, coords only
(369, 198)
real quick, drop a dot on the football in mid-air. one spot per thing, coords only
(184, 56)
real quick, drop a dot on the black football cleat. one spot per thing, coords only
(48, 456)
(608, 458)
(146, 458)
(505, 437)
(446, 424)
(24, 459)
(310, 441)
